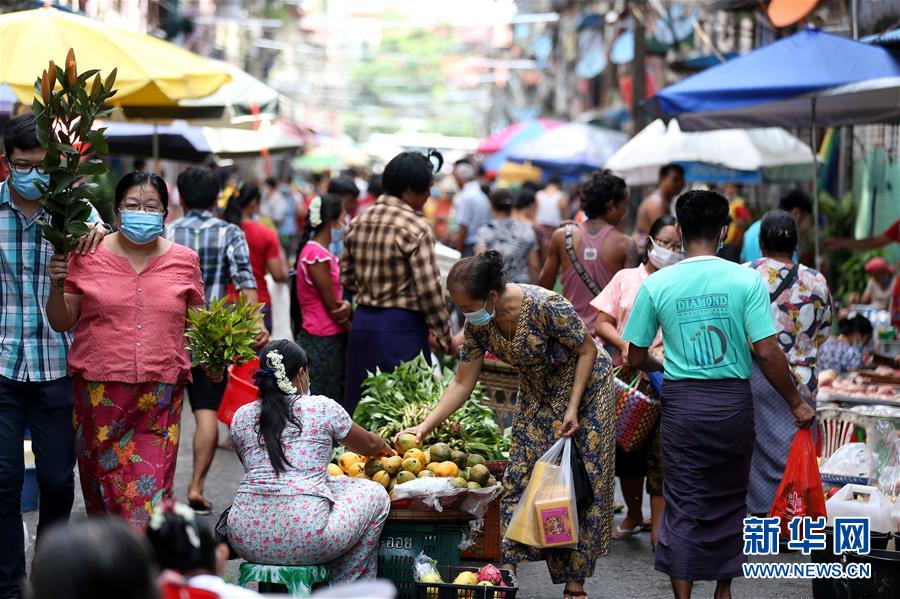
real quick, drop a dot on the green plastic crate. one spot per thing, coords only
(402, 542)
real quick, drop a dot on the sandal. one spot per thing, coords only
(646, 525)
(573, 594)
(625, 533)
(201, 507)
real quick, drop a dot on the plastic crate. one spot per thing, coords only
(445, 590)
(401, 542)
(487, 542)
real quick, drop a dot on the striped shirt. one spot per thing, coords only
(389, 262)
(223, 251)
(30, 350)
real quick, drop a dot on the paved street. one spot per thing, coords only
(627, 572)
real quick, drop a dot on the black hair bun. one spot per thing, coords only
(493, 260)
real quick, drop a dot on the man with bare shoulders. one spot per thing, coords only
(589, 254)
(659, 203)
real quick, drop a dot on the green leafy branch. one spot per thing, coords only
(223, 334)
(65, 120)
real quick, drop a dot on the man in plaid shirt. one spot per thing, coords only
(389, 264)
(224, 259)
(35, 390)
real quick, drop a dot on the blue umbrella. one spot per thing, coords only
(778, 84)
(810, 78)
(570, 149)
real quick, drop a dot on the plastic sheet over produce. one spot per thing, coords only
(439, 494)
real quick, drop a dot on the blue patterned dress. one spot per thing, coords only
(543, 351)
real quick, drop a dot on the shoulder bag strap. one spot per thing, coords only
(570, 249)
(785, 283)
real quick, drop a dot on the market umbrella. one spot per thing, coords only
(719, 156)
(570, 149)
(191, 143)
(500, 144)
(243, 101)
(510, 134)
(150, 71)
(812, 68)
(811, 78)
(331, 154)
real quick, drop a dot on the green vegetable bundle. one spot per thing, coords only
(223, 334)
(394, 401)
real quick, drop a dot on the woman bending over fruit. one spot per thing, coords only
(565, 390)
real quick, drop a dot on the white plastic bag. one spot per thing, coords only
(427, 493)
(546, 515)
(852, 459)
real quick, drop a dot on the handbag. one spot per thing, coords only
(221, 533)
(636, 414)
(584, 492)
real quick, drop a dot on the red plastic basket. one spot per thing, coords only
(240, 390)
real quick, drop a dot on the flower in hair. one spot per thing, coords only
(158, 518)
(276, 362)
(315, 212)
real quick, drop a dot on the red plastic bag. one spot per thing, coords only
(800, 493)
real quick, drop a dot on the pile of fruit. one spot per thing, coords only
(487, 576)
(467, 470)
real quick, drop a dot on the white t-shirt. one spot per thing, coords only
(548, 212)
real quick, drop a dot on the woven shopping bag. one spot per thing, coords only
(636, 414)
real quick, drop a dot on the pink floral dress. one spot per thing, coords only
(304, 516)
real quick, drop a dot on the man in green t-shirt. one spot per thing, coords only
(710, 312)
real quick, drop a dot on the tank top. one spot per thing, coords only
(548, 208)
(591, 259)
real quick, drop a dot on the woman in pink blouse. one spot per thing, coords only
(326, 315)
(128, 304)
(613, 307)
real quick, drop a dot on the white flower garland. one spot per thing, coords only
(276, 363)
(315, 212)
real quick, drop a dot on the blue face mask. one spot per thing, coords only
(24, 184)
(481, 317)
(140, 227)
(336, 246)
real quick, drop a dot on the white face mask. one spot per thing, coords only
(660, 257)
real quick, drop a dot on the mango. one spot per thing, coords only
(447, 470)
(460, 458)
(425, 474)
(372, 467)
(479, 474)
(459, 483)
(405, 442)
(417, 454)
(334, 470)
(474, 460)
(468, 578)
(412, 465)
(347, 459)
(405, 477)
(356, 469)
(382, 478)
(440, 452)
(392, 464)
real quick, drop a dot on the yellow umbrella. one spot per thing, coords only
(152, 72)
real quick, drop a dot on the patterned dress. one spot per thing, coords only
(802, 314)
(543, 350)
(126, 441)
(303, 516)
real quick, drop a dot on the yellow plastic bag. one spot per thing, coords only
(546, 515)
